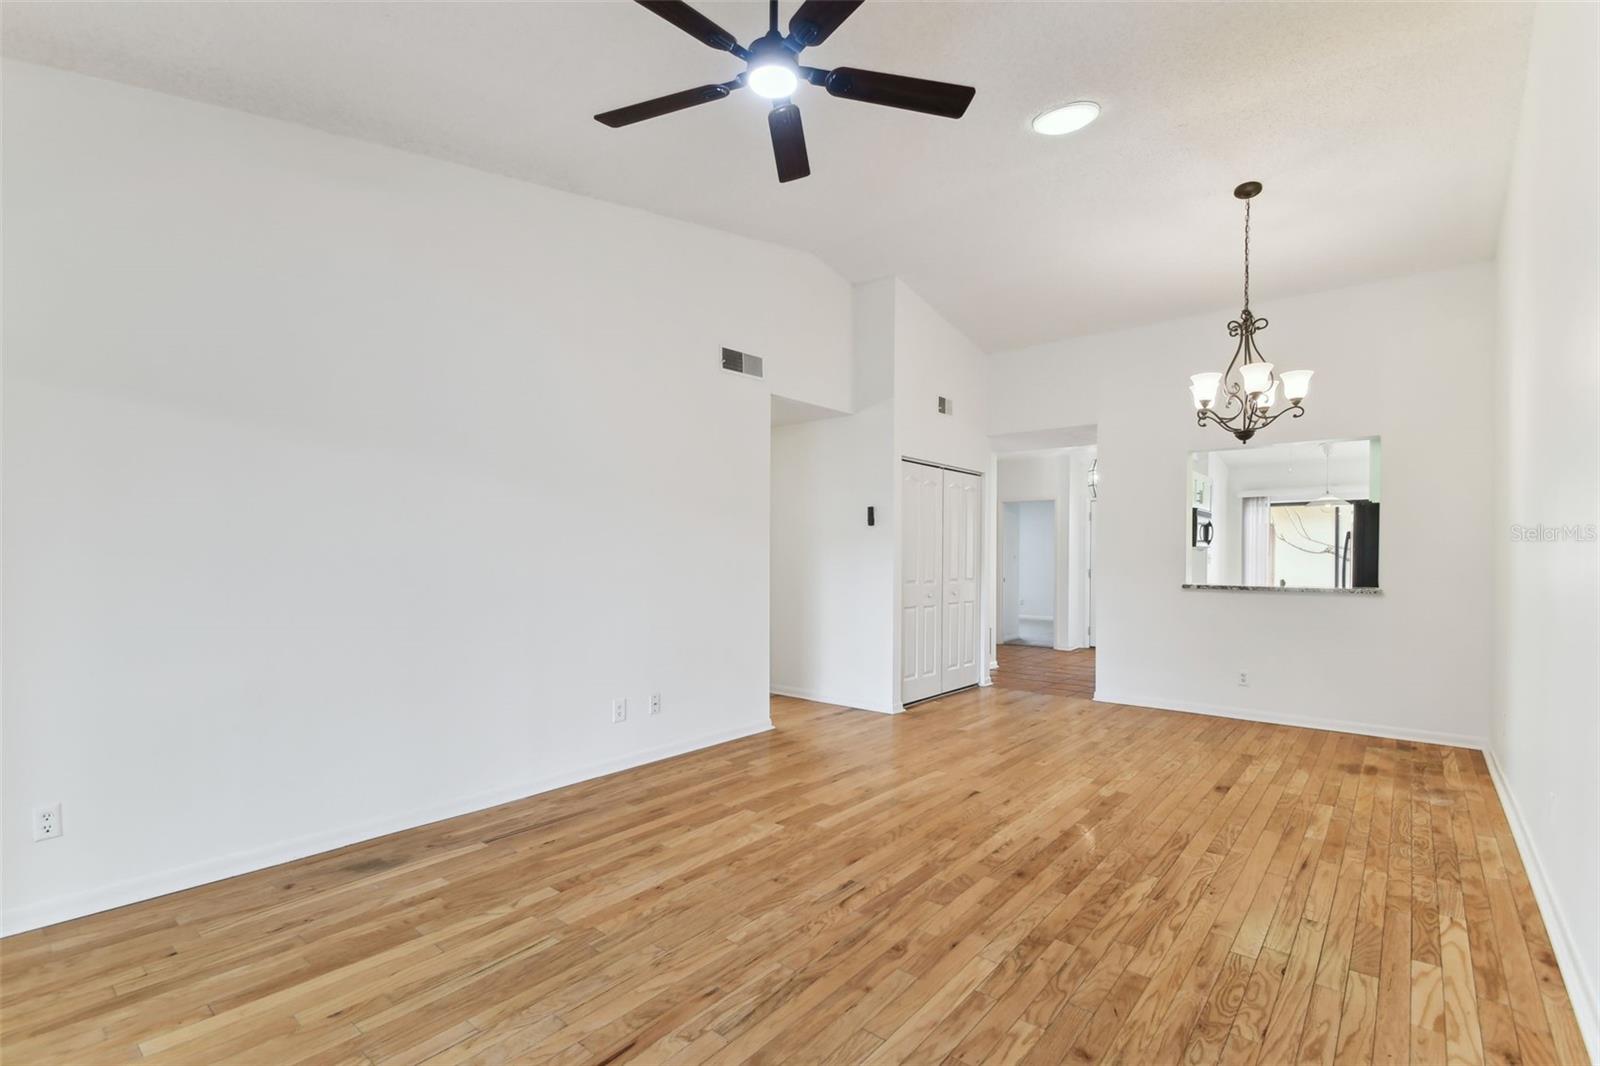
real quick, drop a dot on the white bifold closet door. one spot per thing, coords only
(940, 560)
(963, 502)
(921, 573)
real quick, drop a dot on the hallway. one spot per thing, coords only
(1046, 671)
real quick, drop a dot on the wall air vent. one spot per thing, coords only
(945, 406)
(742, 363)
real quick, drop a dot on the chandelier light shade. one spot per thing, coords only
(1204, 388)
(1249, 387)
(1296, 383)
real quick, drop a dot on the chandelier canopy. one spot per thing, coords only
(1249, 385)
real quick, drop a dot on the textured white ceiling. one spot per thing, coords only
(1381, 131)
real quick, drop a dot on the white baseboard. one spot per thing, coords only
(812, 696)
(1333, 725)
(1036, 618)
(149, 886)
(1581, 987)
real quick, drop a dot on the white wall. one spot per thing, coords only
(1030, 475)
(832, 574)
(1036, 577)
(1074, 582)
(834, 590)
(1546, 730)
(1423, 644)
(931, 359)
(836, 582)
(345, 488)
(1010, 567)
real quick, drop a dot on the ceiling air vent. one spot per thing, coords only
(742, 363)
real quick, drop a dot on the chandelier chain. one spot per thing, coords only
(1247, 255)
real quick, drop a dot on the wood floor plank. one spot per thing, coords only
(1007, 875)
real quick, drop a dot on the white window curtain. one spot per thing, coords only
(1257, 540)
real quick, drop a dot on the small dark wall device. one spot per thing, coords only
(871, 520)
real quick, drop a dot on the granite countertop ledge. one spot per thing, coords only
(1278, 588)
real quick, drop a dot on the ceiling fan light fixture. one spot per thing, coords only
(773, 72)
(773, 81)
(1069, 118)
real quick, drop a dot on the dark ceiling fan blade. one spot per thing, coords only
(897, 90)
(817, 19)
(693, 23)
(788, 142)
(665, 105)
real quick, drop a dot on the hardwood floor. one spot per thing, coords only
(1054, 673)
(1003, 876)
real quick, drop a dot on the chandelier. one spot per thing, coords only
(1249, 385)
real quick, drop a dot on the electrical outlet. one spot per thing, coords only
(655, 703)
(47, 822)
(1244, 679)
(619, 710)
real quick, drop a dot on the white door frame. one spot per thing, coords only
(1088, 578)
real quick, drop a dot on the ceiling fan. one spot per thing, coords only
(772, 71)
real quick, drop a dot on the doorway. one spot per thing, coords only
(1044, 614)
(1028, 601)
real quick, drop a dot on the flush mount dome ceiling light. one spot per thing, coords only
(1069, 118)
(1249, 386)
(773, 71)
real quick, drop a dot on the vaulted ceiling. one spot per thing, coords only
(1381, 131)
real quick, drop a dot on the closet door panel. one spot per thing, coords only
(921, 578)
(962, 562)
